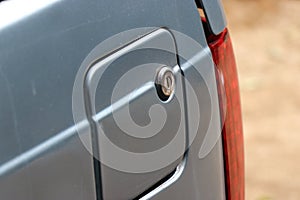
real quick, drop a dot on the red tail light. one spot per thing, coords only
(229, 98)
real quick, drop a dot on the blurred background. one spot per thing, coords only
(266, 39)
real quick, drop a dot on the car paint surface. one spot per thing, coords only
(41, 155)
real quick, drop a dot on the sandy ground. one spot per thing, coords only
(266, 37)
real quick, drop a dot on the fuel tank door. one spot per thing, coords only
(135, 105)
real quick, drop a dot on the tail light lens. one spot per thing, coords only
(230, 108)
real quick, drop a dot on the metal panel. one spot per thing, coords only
(61, 172)
(40, 56)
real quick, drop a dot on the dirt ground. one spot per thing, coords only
(266, 37)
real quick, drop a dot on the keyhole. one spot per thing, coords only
(169, 81)
(165, 83)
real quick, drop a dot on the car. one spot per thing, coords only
(118, 100)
